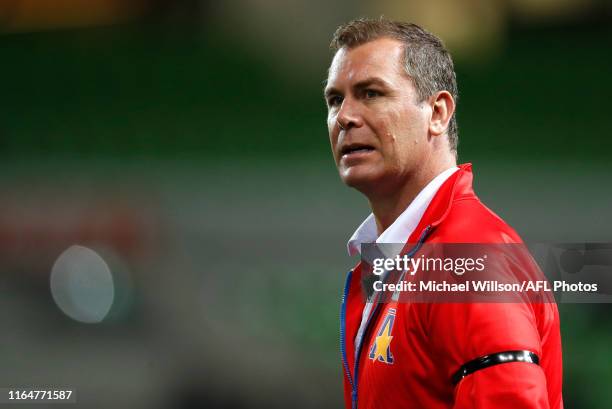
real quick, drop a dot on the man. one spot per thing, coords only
(391, 94)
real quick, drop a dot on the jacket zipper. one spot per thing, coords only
(347, 372)
(353, 381)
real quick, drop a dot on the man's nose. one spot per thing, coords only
(349, 115)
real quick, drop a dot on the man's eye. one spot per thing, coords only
(370, 93)
(334, 100)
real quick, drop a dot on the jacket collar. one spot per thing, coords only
(456, 187)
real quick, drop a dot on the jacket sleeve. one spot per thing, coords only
(461, 333)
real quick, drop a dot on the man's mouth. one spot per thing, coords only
(355, 148)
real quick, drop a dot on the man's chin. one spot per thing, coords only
(361, 178)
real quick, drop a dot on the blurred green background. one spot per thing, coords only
(185, 142)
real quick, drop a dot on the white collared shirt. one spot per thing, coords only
(404, 225)
(398, 233)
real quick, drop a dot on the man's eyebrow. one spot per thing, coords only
(365, 83)
(327, 91)
(371, 81)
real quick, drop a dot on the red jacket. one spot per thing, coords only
(425, 344)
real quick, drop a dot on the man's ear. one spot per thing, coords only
(442, 110)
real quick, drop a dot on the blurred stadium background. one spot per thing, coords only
(184, 142)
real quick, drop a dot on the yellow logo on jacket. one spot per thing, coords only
(381, 348)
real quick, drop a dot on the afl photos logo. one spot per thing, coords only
(381, 348)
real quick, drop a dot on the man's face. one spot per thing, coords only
(377, 128)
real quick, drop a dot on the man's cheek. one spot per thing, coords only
(333, 136)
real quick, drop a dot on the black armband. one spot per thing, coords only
(494, 359)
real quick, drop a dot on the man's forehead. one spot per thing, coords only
(380, 58)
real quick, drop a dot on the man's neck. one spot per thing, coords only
(388, 207)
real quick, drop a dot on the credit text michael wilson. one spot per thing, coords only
(484, 286)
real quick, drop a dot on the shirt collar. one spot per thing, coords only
(404, 225)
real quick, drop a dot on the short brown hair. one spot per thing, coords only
(426, 61)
